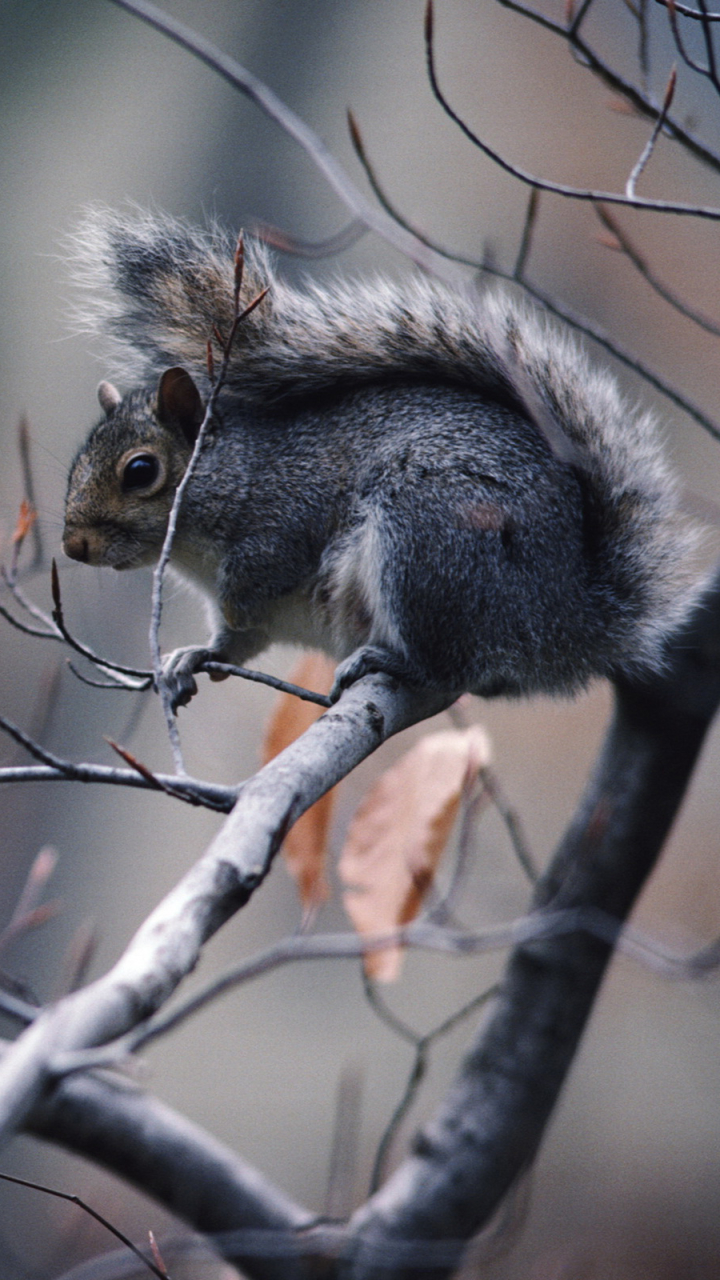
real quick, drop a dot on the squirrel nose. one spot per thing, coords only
(76, 546)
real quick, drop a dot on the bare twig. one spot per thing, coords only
(130, 676)
(14, 1007)
(342, 1163)
(168, 945)
(261, 677)
(28, 912)
(680, 43)
(650, 145)
(527, 235)
(513, 823)
(240, 314)
(687, 12)
(339, 243)
(313, 146)
(641, 102)
(580, 323)
(54, 768)
(86, 1208)
(678, 208)
(422, 1045)
(638, 260)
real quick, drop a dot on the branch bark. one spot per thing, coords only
(167, 946)
(253, 1225)
(492, 1121)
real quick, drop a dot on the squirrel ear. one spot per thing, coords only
(179, 403)
(109, 397)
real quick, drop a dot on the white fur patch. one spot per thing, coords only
(357, 604)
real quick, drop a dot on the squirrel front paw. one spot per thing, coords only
(178, 672)
(367, 659)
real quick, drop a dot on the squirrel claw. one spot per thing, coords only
(178, 673)
(368, 659)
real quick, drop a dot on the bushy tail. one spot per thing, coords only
(160, 288)
(156, 289)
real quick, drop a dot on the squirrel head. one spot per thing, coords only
(123, 479)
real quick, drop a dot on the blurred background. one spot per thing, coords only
(95, 107)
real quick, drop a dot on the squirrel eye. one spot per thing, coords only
(140, 472)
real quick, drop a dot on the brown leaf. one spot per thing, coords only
(25, 521)
(305, 845)
(396, 839)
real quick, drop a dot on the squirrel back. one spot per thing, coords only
(490, 377)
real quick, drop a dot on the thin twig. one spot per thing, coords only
(709, 45)
(686, 12)
(649, 147)
(513, 823)
(313, 146)
(26, 628)
(422, 1044)
(21, 1010)
(53, 768)
(286, 243)
(261, 677)
(641, 265)
(24, 913)
(531, 213)
(422, 935)
(29, 488)
(580, 323)
(136, 679)
(680, 43)
(711, 212)
(82, 1204)
(609, 76)
(166, 551)
(643, 43)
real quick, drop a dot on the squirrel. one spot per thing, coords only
(428, 483)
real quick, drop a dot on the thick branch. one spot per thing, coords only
(492, 1121)
(190, 1173)
(168, 944)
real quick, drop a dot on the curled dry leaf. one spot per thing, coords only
(305, 845)
(396, 839)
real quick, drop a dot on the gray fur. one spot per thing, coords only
(441, 477)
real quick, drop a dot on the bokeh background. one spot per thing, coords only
(96, 107)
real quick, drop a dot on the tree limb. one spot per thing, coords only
(167, 946)
(492, 1121)
(192, 1174)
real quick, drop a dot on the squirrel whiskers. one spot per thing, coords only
(430, 483)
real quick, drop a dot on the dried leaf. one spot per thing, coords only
(25, 521)
(396, 839)
(305, 845)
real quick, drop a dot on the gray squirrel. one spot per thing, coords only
(432, 484)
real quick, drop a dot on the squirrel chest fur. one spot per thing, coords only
(381, 479)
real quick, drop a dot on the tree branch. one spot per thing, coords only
(313, 146)
(492, 1121)
(254, 1225)
(679, 208)
(167, 946)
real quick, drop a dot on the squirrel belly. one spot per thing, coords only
(437, 481)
